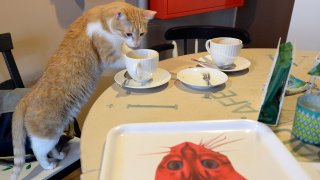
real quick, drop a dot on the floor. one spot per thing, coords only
(75, 175)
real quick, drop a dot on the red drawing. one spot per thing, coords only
(189, 161)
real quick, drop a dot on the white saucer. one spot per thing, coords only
(160, 77)
(193, 77)
(240, 63)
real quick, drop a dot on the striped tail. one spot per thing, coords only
(18, 139)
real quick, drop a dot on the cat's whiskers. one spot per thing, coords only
(213, 143)
(218, 145)
(156, 153)
(210, 141)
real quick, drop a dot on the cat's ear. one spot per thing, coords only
(120, 16)
(148, 14)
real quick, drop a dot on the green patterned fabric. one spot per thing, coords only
(306, 126)
(296, 86)
(315, 71)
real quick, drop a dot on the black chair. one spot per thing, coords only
(186, 33)
(15, 81)
(5, 47)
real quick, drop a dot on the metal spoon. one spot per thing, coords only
(126, 80)
(226, 67)
(213, 65)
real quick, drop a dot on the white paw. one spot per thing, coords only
(60, 156)
(51, 165)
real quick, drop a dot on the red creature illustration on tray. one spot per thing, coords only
(189, 161)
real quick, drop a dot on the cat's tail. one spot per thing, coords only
(18, 139)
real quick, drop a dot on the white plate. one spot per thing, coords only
(240, 63)
(160, 77)
(193, 77)
(134, 151)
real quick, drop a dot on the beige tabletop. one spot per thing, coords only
(239, 98)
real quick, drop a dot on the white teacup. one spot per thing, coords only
(141, 64)
(224, 50)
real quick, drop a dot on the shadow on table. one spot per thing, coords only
(192, 90)
(238, 73)
(127, 91)
(33, 174)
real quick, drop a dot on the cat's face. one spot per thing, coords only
(132, 27)
(191, 161)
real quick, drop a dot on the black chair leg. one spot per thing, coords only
(185, 46)
(76, 128)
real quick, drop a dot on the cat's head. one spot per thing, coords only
(130, 24)
(191, 161)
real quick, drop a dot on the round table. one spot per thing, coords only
(239, 98)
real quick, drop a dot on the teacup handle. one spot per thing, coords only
(138, 70)
(207, 46)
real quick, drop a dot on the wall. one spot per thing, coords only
(304, 27)
(266, 21)
(38, 26)
(157, 26)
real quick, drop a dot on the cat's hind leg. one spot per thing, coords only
(56, 154)
(41, 147)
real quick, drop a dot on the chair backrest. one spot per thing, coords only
(5, 47)
(164, 47)
(205, 32)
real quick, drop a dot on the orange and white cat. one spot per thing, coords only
(91, 44)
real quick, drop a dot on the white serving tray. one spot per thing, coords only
(134, 151)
